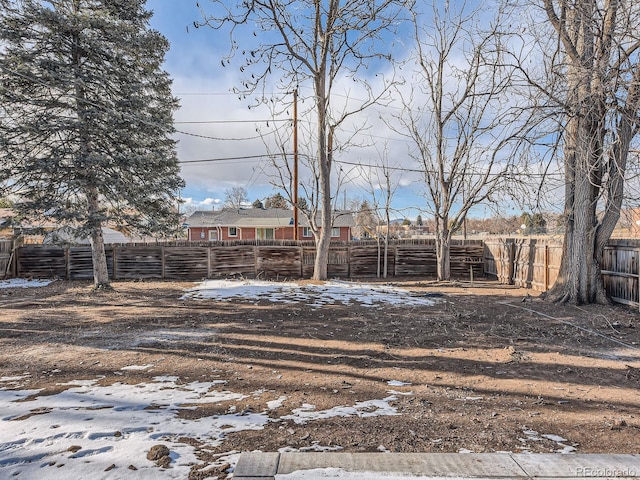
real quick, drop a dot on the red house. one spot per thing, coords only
(260, 224)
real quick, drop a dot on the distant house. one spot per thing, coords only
(67, 236)
(260, 224)
(5, 223)
(51, 233)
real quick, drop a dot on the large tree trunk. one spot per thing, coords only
(324, 164)
(594, 173)
(579, 279)
(98, 254)
(443, 250)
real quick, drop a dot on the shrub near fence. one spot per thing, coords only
(264, 259)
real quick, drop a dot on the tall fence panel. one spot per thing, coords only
(274, 262)
(467, 257)
(527, 262)
(524, 262)
(6, 258)
(39, 261)
(270, 259)
(238, 260)
(185, 263)
(535, 262)
(621, 271)
(415, 260)
(138, 262)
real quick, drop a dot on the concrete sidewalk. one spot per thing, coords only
(486, 466)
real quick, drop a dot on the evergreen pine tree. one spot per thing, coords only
(87, 118)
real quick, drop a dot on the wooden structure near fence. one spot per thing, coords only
(6, 258)
(251, 259)
(534, 263)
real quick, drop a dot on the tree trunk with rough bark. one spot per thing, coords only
(443, 252)
(597, 137)
(98, 255)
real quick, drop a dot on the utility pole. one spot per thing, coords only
(295, 164)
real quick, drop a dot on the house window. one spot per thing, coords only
(306, 232)
(213, 235)
(335, 232)
(264, 233)
(233, 231)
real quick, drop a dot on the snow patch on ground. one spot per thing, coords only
(316, 295)
(137, 367)
(89, 429)
(397, 383)
(533, 436)
(105, 431)
(23, 283)
(370, 408)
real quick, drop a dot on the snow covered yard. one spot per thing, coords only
(89, 428)
(93, 384)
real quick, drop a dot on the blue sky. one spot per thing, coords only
(214, 124)
(205, 91)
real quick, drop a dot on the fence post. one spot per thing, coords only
(546, 267)
(115, 262)
(301, 248)
(67, 261)
(511, 250)
(162, 268)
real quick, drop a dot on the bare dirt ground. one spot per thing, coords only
(488, 366)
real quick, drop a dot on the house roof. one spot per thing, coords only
(5, 215)
(66, 235)
(259, 217)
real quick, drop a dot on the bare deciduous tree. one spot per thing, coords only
(597, 62)
(383, 185)
(458, 116)
(316, 42)
(235, 197)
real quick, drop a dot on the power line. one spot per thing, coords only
(221, 139)
(249, 158)
(363, 165)
(424, 170)
(234, 121)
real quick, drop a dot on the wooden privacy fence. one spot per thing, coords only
(6, 257)
(534, 263)
(264, 259)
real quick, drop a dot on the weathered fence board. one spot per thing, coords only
(41, 262)
(415, 260)
(80, 264)
(338, 263)
(239, 260)
(527, 262)
(364, 259)
(620, 272)
(6, 258)
(186, 263)
(466, 257)
(134, 263)
(274, 262)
